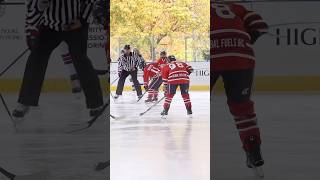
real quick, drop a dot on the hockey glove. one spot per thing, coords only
(119, 73)
(32, 38)
(146, 86)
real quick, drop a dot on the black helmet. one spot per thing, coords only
(163, 53)
(127, 47)
(171, 58)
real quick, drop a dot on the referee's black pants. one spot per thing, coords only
(38, 60)
(122, 79)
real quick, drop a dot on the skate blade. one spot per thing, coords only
(17, 120)
(164, 117)
(101, 166)
(43, 175)
(77, 96)
(258, 172)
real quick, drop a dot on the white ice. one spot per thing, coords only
(290, 133)
(150, 148)
(42, 143)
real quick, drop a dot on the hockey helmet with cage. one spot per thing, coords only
(171, 58)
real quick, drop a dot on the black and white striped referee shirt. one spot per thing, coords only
(33, 15)
(60, 14)
(128, 62)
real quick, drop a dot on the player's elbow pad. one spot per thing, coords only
(255, 35)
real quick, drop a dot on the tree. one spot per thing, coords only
(146, 23)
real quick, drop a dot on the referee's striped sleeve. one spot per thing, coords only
(86, 9)
(120, 63)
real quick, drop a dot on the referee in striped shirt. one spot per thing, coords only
(62, 20)
(128, 64)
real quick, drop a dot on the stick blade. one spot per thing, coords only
(77, 128)
(43, 175)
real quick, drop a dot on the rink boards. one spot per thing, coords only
(199, 79)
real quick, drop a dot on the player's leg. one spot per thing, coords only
(150, 95)
(213, 79)
(156, 88)
(68, 62)
(238, 86)
(184, 88)
(171, 91)
(132, 85)
(134, 75)
(122, 79)
(35, 71)
(77, 42)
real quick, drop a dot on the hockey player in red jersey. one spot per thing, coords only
(162, 61)
(152, 81)
(176, 74)
(234, 30)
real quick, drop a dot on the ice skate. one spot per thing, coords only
(102, 165)
(116, 96)
(189, 112)
(149, 100)
(76, 91)
(95, 112)
(155, 99)
(164, 114)
(19, 113)
(254, 158)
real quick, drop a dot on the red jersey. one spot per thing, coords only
(150, 71)
(176, 73)
(162, 62)
(232, 27)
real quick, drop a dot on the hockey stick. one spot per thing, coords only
(36, 176)
(13, 62)
(8, 111)
(102, 165)
(114, 81)
(153, 81)
(113, 117)
(141, 114)
(88, 124)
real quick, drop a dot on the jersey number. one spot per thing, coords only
(173, 66)
(223, 11)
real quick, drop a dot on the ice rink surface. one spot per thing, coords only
(150, 148)
(290, 133)
(41, 142)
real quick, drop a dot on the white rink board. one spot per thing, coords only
(291, 56)
(200, 76)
